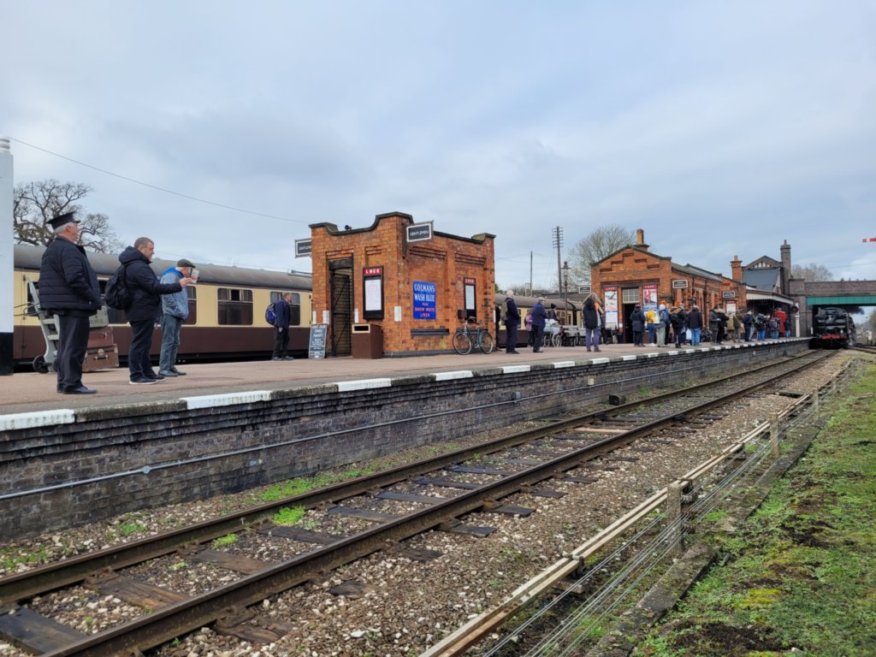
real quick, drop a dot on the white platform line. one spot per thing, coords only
(227, 399)
(363, 384)
(564, 363)
(515, 369)
(16, 421)
(449, 376)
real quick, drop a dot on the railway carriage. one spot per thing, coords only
(226, 310)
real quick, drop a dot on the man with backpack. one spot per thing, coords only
(760, 325)
(146, 291)
(282, 318)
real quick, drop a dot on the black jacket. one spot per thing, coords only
(67, 281)
(591, 315)
(637, 320)
(144, 286)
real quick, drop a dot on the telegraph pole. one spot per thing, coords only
(558, 242)
(7, 263)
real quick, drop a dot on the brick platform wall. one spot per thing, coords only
(127, 458)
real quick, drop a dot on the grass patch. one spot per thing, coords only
(800, 574)
(10, 560)
(289, 515)
(225, 541)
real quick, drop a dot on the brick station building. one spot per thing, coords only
(397, 288)
(634, 275)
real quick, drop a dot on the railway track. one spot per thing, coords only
(346, 522)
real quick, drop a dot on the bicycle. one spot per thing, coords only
(466, 339)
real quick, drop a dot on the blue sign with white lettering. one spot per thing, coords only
(424, 300)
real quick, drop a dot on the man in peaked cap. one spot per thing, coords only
(174, 311)
(69, 289)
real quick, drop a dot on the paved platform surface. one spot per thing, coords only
(25, 392)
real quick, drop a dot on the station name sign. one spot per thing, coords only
(679, 284)
(729, 295)
(419, 232)
(303, 248)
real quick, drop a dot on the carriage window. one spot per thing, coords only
(192, 291)
(294, 306)
(30, 309)
(235, 307)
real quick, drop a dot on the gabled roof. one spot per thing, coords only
(696, 271)
(634, 248)
(763, 262)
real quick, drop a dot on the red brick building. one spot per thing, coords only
(406, 281)
(634, 275)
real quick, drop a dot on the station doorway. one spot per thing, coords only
(341, 281)
(630, 296)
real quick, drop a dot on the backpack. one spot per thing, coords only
(504, 313)
(117, 294)
(270, 314)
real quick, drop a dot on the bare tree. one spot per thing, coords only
(594, 247)
(34, 203)
(811, 273)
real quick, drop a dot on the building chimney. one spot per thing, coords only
(785, 250)
(640, 240)
(736, 269)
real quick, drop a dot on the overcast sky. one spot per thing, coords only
(720, 128)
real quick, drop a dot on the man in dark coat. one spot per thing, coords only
(512, 323)
(146, 291)
(538, 321)
(637, 324)
(68, 288)
(282, 320)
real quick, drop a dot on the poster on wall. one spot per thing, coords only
(611, 319)
(425, 296)
(372, 288)
(471, 308)
(649, 297)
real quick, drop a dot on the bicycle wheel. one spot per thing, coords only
(487, 344)
(557, 340)
(461, 344)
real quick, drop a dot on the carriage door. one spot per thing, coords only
(341, 273)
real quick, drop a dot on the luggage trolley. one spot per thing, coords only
(102, 352)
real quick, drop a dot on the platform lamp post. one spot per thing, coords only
(7, 264)
(565, 284)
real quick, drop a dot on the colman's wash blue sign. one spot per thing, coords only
(424, 300)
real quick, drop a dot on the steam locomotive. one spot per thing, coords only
(833, 328)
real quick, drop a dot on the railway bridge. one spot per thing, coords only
(846, 294)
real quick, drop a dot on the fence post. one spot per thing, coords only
(774, 436)
(673, 516)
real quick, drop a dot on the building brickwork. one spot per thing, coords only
(445, 261)
(634, 268)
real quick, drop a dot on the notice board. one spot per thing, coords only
(316, 347)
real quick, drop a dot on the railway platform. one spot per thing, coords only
(31, 392)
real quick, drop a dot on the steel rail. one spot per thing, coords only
(53, 576)
(183, 617)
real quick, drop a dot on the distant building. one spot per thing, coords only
(634, 274)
